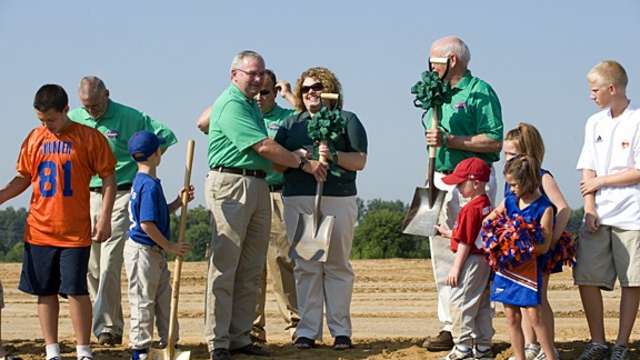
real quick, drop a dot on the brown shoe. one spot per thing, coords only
(442, 342)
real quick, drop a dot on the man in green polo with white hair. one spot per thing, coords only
(470, 126)
(240, 155)
(118, 123)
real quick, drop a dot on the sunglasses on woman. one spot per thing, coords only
(315, 87)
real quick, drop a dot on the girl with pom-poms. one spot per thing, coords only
(518, 231)
(525, 139)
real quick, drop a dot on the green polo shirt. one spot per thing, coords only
(272, 120)
(474, 109)
(118, 124)
(293, 135)
(235, 125)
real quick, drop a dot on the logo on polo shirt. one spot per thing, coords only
(112, 134)
(599, 138)
(625, 144)
(460, 106)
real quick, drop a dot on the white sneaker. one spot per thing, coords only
(457, 354)
(530, 352)
(541, 355)
(482, 354)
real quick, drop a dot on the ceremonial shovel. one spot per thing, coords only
(424, 210)
(170, 352)
(313, 232)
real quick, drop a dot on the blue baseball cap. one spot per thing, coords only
(143, 144)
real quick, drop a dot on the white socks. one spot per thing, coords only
(53, 350)
(83, 350)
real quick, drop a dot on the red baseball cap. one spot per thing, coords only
(468, 169)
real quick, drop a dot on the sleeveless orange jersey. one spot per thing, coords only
(60, 167)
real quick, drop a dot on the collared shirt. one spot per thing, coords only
(293, 135)
(474, 109)
(273, 120)
(612, 146)
(148, 204)
(469, 223)
(235, 125)
(118, 124)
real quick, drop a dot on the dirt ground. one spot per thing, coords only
(393, 309)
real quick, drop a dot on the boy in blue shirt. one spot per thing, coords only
(145, 251)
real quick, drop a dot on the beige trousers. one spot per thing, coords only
(280, 266)
(327, 283)
(241, 214)
(149, 293)
(470, 307)
(105, 266)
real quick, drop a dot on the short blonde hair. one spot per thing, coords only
(609, 72)
(329, 81)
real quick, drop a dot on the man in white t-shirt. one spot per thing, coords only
(609, 243)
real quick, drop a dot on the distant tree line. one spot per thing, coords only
(378, 234)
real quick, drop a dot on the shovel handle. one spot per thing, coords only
(323, 159)
(435, 122)
(175, 294)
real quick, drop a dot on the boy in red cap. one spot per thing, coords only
(469, 277)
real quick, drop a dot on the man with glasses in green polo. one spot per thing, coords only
(240, 156)
(117, 123)
(279, 263)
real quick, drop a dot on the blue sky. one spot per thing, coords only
(171, 60)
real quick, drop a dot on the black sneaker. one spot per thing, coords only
(442, 342)
(303, 343)
(220, 354)
(252, 349)
(342, 343)
(109, 339)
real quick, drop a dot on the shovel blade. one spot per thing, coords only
(311, 240)
(423, 214)
(163, 354)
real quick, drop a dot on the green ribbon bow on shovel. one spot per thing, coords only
(431, 91)
(326, 126)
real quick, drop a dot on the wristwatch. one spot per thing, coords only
(303, 162)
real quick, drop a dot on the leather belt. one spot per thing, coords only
(245, 172)
(120, 187)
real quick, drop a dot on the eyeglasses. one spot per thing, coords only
(264, 92)
(252, 73)
(315, 87)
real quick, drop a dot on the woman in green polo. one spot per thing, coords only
(329, 282)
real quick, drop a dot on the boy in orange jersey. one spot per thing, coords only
(58, 159)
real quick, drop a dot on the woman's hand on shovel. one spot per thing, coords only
(317, 169)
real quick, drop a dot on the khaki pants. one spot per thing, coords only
(149, 293)
(329, 283)
(441, 255)
(280, 266)
(470, 307)
(241, 213)
(105, 266)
